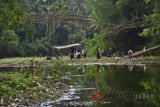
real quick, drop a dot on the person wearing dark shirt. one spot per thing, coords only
(98, 56)
(72, 53)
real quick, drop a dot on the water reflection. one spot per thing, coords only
(116, 85)
(98, 68)
(144, 68)
(111, 85)
(130, 67)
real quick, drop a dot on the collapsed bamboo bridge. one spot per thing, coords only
(44, 18)
(134, 23)
(87, 22)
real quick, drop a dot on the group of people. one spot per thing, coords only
(109, 53)
(99, 52)
(77, 53)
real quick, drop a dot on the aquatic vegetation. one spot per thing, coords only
(33, 83)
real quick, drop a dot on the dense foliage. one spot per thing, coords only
(19, 37)
(153, 29)
(115, 12)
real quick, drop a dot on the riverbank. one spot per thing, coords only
(30, 85)
(27, 61)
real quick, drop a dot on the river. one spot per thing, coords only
(110, 86)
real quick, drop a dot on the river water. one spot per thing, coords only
(110, 86)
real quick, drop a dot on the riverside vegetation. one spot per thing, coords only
(31, 84)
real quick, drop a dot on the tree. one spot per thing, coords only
(9, 38)
(153, 22)
(11, 14)
(115, 12)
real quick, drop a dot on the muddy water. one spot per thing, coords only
(110, 86)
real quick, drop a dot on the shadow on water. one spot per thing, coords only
(110, 86)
